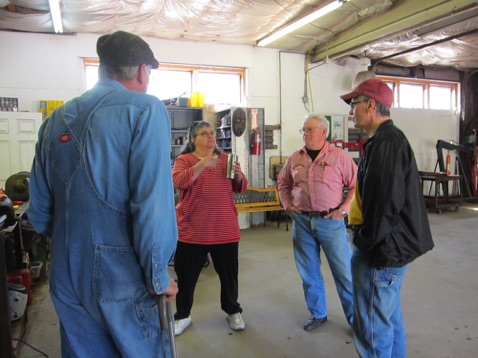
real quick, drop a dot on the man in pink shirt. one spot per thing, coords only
(311, 186)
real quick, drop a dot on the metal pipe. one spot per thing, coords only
(166, 321)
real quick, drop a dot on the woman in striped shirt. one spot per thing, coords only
(207, 223)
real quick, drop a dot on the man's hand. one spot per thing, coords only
(292, 210)
(171, 291)
(334, 214)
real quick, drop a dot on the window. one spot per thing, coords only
(169, 84)
(91, 75)
(220, 85)
(410, 95)
(441, 97)
(421, 93)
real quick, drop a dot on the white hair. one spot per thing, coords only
(324, 123)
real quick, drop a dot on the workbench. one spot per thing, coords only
(438, 196)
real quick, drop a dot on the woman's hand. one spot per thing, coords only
(236, 167)
(211, 161)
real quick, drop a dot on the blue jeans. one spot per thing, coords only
(310, 235)
(378, 325)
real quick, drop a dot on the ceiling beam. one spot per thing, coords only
(405, 16)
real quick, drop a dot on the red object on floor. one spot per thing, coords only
(22, 277)
(15, 277)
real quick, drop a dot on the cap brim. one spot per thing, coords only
(155, 64)
(349, 96)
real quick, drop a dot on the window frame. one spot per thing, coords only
(194, 69)
(426, 83)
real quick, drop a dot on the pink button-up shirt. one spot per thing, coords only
(317, 185)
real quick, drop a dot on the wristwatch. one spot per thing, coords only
(343, 212)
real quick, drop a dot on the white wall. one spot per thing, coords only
(44, 66)
(36, 66)
(423, 128)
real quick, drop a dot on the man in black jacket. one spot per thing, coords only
(390, 220)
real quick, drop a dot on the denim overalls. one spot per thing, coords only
(101, 188)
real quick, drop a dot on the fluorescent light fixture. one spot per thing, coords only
(301, 22)
(56, 15)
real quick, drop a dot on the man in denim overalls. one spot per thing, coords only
(101, 188)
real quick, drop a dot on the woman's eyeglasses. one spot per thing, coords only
(207, 134)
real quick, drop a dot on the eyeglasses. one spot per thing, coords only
(207, 134)
(307, 130)
(354, 104)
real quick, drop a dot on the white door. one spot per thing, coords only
(18, 136)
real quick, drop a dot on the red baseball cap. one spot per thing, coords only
(373, 88)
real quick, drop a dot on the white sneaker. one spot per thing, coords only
(181, 324)
(236, 322)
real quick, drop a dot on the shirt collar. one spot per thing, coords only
(324, 149)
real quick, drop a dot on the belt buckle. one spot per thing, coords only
(314, 214)
(323, 213)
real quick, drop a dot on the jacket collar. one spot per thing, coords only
(386, 124)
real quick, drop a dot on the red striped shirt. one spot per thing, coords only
(206, 213)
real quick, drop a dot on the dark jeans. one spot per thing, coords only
(188, 263)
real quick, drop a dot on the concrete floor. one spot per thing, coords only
(439, 302)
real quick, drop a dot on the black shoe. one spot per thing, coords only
(312, 323)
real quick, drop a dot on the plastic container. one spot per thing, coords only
(35, 268)
(183, 101)
(15, 277)
(201, 100)
(196, 99)
(18, 297)
(22, 277)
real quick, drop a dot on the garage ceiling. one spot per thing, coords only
(401, 32)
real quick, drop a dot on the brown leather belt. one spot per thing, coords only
(314, 214)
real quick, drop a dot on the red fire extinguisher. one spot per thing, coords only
(255, 142)
(448, 159)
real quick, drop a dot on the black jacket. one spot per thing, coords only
(395, 225)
